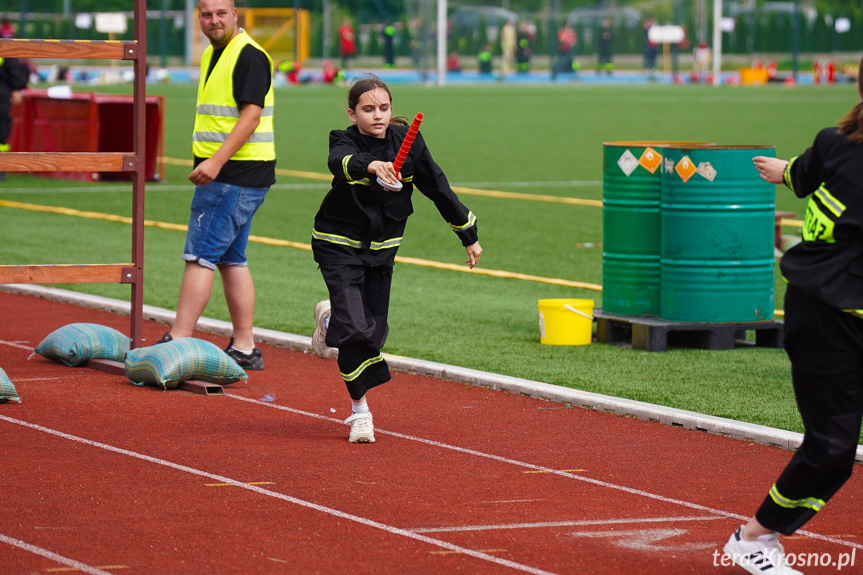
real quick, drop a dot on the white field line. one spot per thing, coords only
(51, 555)
(597, 482)
(266, 492)
(562, 524)
(16, 344)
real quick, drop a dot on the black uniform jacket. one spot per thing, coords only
(13, 75)
(828, 264)
(359, 222)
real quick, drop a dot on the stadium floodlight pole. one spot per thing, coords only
(441, 42)
(717, 42)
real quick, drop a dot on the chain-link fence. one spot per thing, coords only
(403, 33)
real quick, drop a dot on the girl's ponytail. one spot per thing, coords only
(852, 123)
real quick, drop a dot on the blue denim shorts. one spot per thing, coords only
(220, 222)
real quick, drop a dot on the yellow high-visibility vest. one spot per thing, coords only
(217, 112)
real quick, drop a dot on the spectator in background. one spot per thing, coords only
(14, 76)
(330, 74)
(453, 62)
(347, 42)
(508, 40)
(6, 29)
(604, 48)
(389, 33)
(484, 59)
(650, 49)
(566, 39)
(701, 62)
(523, 47)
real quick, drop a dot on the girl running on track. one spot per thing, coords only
(823, 337)
(358, 229)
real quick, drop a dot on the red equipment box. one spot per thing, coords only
(87, 122)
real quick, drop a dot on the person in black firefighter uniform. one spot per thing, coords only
(823, 337)
(357, 232)
(13, 79)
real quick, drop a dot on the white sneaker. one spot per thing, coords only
(319, 338)
(764, 556)
(362, 429)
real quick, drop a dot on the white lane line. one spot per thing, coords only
(51, 555)
(283, 497)
(597, 482)
(561, 524)
(16, 344)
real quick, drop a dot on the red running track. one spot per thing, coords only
(100, 476)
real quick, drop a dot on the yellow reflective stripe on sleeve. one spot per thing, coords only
(358, 371)
(345, 161)
(471, 220)
(334, 239)
(834, 205)
(809, 502)
(855, 312)
(392, 243)
(408, 179)
(786, 176)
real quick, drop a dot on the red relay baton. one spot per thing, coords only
(403, 152)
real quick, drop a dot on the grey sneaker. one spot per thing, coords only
(166, 338)
(764, 556)
(319, 338)
(247, 361)
(362, 429)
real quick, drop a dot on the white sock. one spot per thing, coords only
(359, 406)
(243, 351)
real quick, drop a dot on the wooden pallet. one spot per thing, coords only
(654, 334)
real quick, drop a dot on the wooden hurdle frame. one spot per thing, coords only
(126, 273)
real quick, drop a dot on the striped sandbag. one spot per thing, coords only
(75, 343)
(169, 364)
(7, 390)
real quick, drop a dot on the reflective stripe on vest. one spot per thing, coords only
(818, 223)
(217, 112)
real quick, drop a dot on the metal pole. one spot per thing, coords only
(139, 111)
(795, 56)
(191, 27)
(553, 63)
(327, 27)
(296, 30)
(441, 42)
(163, 35)
(717, 42)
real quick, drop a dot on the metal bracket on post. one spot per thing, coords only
(130, 51)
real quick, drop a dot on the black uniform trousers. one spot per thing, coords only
(360, 301)
(825, 346)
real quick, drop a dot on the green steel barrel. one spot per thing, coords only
(631, 226)
(717, 245)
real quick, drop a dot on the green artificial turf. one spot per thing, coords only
(538, 140)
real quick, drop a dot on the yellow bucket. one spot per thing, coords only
(565, 321)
